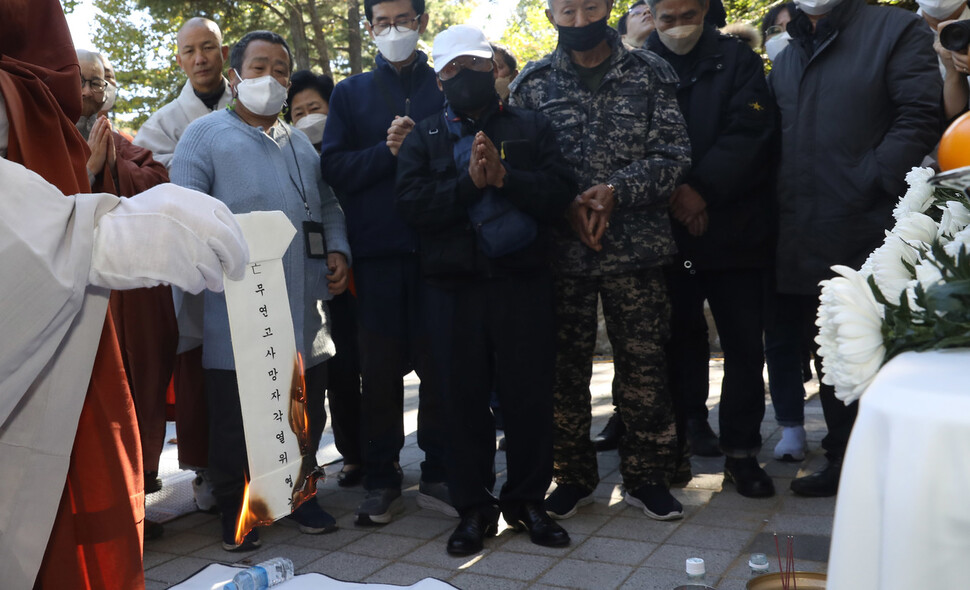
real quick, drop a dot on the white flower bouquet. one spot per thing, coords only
(912, 293)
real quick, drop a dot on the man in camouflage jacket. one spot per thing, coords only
(618, 124)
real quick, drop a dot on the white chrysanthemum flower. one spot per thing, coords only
(928, 273)
(919, 197)
(960, 239)
(916, 227)
(850, 333)
(886, 265)
(911, 299)
(956, 217)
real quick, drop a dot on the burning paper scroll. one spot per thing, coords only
(269, 371)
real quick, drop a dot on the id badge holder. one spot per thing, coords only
(316, 245)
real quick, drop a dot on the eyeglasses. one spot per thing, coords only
(465, 62)
(97, 84)
(774, 30)
(402, 25)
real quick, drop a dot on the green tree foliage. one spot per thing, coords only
(327, 36)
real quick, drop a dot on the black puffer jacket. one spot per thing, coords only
(731, 121)
(860, 106)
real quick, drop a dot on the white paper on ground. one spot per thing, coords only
(215, 576)
(264, 348)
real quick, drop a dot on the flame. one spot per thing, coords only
(305, 486)
(254, 512)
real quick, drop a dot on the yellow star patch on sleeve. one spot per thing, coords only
(756, 106)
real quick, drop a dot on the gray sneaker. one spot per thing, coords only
(435, 496)
(379, 506)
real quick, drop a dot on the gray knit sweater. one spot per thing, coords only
(248, 170)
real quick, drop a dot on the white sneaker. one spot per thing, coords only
(202, 493)
(792, 445)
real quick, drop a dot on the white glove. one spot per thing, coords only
(168, 234)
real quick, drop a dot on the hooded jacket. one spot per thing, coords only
(859, 101)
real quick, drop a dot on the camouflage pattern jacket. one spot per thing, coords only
(628, 133)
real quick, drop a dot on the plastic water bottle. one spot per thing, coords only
(758, 564)
(262, 576)
(696, 571)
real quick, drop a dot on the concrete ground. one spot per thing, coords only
(613, 545)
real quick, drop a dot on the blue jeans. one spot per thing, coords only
(784, 341)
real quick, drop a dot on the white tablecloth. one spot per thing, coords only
(902, 520)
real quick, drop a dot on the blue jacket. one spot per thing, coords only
(355, 159)
(222, 156)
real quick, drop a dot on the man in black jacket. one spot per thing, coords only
(859, 93)
(721, 224)
(480, 183)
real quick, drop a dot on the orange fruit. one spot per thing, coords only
(954, 149)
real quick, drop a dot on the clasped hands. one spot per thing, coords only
(102, 144)
(589, 214)
(484, 164)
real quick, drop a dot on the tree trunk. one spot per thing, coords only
(353, 37)
(301, 52)
(319, 39)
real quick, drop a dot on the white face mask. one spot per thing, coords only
(775, 44)
(312, 125)
(396, 46)
(940, 9)
(110, 95)
(817, 7)
(261, 96)
(681, 39)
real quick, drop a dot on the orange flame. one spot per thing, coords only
(254, 511)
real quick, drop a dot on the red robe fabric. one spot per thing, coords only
(96, 541)
(144, 318)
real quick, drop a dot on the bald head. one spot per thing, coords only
(200, 22)
(201, 54)
(92, 82)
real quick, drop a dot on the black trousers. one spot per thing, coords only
(736, 298)
(228, 460)
(505, 324)
(839, 418)
(393, 339)
(343, 379)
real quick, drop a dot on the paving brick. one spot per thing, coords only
(176, 570)
(621, 551)
(402, 574)
(467, 581)
(518, 566)
(573, 573)
(345, 566)
(696, 535)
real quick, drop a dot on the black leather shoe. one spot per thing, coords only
(609, 438)
(543, 530)
(748, 476)
(703, 441)
(470, 533)
(821, 484)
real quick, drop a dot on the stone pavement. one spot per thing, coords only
(613, 545)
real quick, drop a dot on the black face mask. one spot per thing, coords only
(470, 91)
(583, 38)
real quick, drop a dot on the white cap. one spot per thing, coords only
(695, 566)
(940, 9)
(456, 41)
